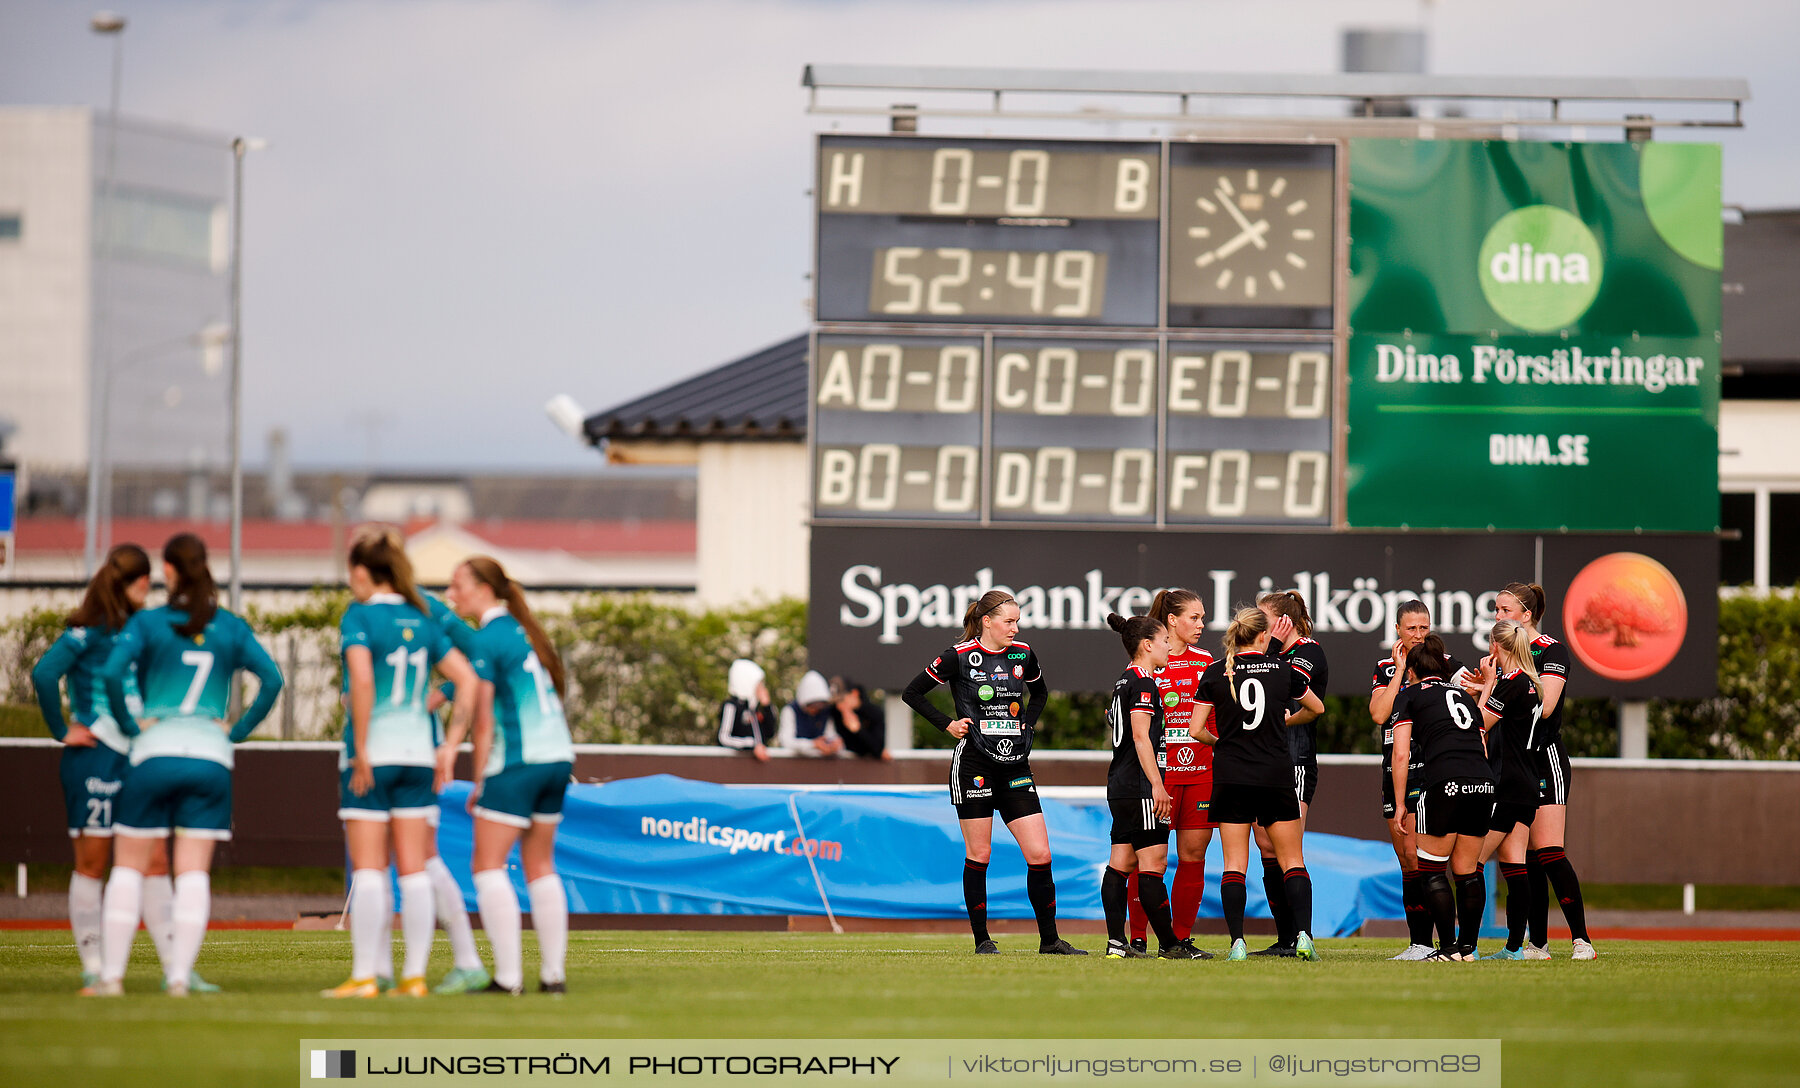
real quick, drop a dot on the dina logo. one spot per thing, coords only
(1540, 267)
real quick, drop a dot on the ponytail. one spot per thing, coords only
(1530, 596)
(1289, 603)
(989, 603)
(510, 593)
(1515, 640)
(194, 591)
(1246, 626)
(1133, 630)
(105, 603)
(381, 551)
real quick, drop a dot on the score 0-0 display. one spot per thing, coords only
(1076, 332)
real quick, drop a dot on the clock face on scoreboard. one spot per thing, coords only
(1074, 332)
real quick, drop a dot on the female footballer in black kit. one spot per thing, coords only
(1253, 771)
(990, 673)
(1412, 622)
(1509, 708)
(1308, 659)
(1546, 863)
(1456, 792)
(1141, 805)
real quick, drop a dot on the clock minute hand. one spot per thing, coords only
(1251, 233)
(1242, 221)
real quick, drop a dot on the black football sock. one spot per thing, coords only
(1568, 890)
(1518, 888)
(1155, 896)
(1042, 890)
(1112, 897)
(1440, 901)
(1471, 904)
(1297, 884)
(1275, 891)
(1233, 894)
(1418, 919)
(975, 897)
(1537, 899)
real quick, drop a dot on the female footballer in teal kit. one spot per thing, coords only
(387, 790)
(187, 654)
(523, 758)
(96, 751)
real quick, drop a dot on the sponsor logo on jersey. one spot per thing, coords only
(406, 634)
(980, 781)
(1000, 727)
(1146, 699)
(102, 786)
(1004, 747)
(1016, 655)
(1013, 709)
(1019, 783)
(1184, 756)
(1170, 698)
(936, 661)
(1018, 672)
(978, 794)
(986, 691)
(974, 657)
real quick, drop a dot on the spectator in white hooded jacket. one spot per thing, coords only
(746, 721)
(806, 723)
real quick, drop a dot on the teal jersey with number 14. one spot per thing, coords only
(529, 726)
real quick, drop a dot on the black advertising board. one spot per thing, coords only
(1640, 613)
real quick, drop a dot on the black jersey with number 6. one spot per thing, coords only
(1508, 740)
(1250, 717)
(1133, 692)
(1445, 732)
(989, 688)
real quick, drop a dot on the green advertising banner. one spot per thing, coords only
(1539, 324)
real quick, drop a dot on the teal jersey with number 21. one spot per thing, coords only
(404, 645)
(185, 682)
(529, 726)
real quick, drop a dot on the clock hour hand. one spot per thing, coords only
(1243, 222)
(1251, 233)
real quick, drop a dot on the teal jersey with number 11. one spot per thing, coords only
(404, 645)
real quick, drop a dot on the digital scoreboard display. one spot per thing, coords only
(1075, 332)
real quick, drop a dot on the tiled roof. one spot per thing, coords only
(760, 396)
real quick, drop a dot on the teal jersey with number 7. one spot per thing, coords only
(185, 682)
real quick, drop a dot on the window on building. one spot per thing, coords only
(12, 224)
(1737, 558)
(1784, 538)
(144, 224)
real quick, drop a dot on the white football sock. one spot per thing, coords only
(159, 916)
(500, 918)
(119, 921)
(447, 895)
(370, 914)
(193, 907)
(550, 917)
(417, 923)
(84, 919)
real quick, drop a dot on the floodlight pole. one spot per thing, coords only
(100, 372)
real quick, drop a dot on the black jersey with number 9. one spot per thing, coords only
(1250, 718)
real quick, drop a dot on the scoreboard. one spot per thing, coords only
(1076, 332)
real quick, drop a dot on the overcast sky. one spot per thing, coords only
(468, 207)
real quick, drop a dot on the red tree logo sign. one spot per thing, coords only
(1625, 616)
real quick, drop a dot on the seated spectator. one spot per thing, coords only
(862, 727)
(746, 721)
(806, 723)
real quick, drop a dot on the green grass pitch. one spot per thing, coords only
(1656, 1014)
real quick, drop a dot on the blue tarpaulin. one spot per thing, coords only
(668, 845)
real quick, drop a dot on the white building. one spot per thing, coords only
(137, 288)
